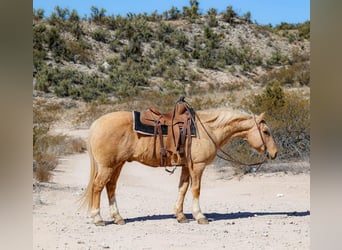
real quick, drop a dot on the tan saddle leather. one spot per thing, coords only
(178, 122)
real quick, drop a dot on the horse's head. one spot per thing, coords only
(260, 137)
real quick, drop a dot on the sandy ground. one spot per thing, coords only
(260, 211)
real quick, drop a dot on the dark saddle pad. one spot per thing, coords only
(149, 130)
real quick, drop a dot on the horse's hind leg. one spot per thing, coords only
(183, 187)
(103, 176)
(111, 186)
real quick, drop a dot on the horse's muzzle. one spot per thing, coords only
(272, 157)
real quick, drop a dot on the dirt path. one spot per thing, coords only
(266, 211)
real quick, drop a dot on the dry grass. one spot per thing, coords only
(76, 145)
(41, 174)
(85, 116)
(49, 148)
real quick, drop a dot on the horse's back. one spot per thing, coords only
(116, 118)
(111, 121)
(111, 135)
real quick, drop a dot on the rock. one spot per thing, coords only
(104, 245)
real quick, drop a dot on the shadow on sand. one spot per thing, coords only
(216, 216)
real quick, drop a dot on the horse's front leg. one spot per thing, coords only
(183, 187)
(196, 176)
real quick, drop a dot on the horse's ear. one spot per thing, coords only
(260, 117)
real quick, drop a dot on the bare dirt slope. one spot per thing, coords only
(263, 211)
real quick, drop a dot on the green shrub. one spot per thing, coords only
(229, 14)
(174, 72)
(115, 45)
(277, 58)
(96, 15)
(192, 12)
(179, 39)
(45, 78)
(285, 26)
(74, 17)
(163, 33)
(212, 38)
(174, 13)
(38, 59)
(295, 74)
(303, 73)
(207, 59)
(248, 17)
(133, 26)
(64, 88)
(49, 77)
(100, 35)
(304, 30)
(39, 36)
(52, 37)
(133, 50)
(89, 92)
(60, 48)
(38, 14)
(62, 13)
(76, 29)
(78, 51)
(212, 21)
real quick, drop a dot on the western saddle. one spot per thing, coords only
(178, 122)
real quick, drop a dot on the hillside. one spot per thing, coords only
(84, 67)
(214, 58)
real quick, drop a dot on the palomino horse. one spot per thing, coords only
(112, 142)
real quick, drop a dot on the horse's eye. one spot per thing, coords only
(266, 132)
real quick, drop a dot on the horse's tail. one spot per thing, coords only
(87, 197)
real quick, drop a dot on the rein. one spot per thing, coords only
(231, 158)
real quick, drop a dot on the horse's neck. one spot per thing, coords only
(233, 129)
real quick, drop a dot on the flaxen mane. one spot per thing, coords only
(221, 117)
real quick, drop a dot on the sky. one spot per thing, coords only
(262, 11)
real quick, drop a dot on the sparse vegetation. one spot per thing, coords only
(165, 49)
(46, 147)
(132, 61)
(229, 14)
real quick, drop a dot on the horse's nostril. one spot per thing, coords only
(275, 155)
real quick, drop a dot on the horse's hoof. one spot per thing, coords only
(203, 221)
(183, 220)
(100, 223)
(120, 222)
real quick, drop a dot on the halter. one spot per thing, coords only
(231, 158)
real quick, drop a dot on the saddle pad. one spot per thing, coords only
(149, 130)
(142, 128)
